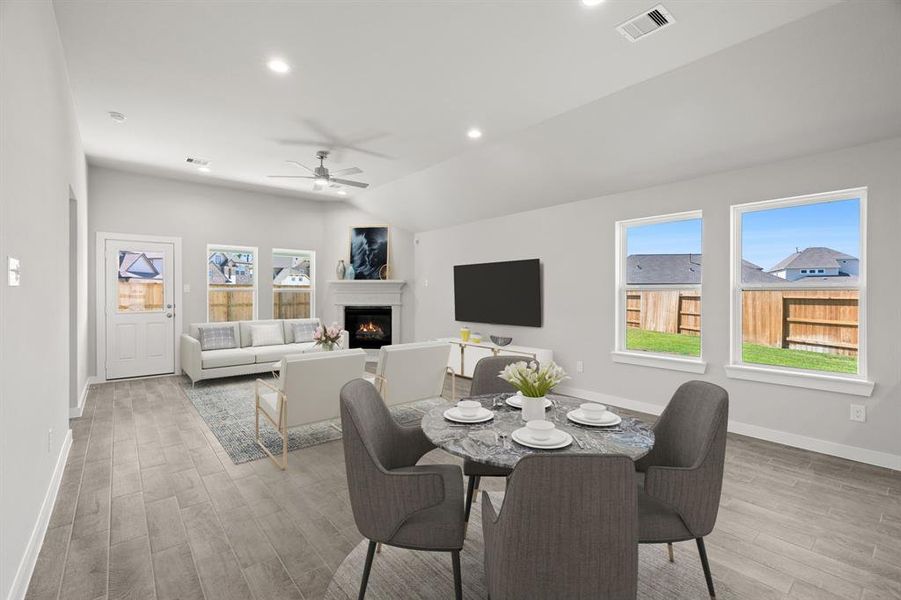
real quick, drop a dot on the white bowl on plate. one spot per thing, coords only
(592, 411)
(540, 430)
(468, 408)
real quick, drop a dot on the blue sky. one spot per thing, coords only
(768, 236)
(673, 237)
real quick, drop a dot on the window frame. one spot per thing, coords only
(856, 384)
(256, 275)
(312, 288)
(620, 353)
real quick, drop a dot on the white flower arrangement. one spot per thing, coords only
(530, 379)
(327, 337)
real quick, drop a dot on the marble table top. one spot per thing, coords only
(490, 442)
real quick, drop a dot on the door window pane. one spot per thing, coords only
(140, 286)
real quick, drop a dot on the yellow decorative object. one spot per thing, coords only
(477, 338)
(464, 334)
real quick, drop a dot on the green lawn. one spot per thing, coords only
(655, 341)
(798, 359)
(690, 345)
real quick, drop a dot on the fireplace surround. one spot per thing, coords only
(361, 293)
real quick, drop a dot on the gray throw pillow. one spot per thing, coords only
(217, 338)
(303, 332)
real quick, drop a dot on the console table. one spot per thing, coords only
(465, 355)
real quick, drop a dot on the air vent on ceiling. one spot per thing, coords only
(645, 24)
(200, 162)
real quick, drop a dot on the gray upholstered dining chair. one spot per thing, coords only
(485, 380)
(395, 501)
(568, 529)
(680, 480)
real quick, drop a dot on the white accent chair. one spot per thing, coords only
(306, 391)
(410, 372)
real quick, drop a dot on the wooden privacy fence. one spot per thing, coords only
(290, 303)
(140, 295)
(816, 320)
(231, 304)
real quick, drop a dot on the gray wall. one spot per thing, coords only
(125, 202)
(41, 160)
(576, 245)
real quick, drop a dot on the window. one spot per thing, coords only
(141, 281)
(659, 291)
(292, 284)
(231, 283)
(799, 288)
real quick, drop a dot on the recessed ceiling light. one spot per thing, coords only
(342, 193)
(277, 65)
(592, 2)
(116, 116)
(203, 169)
(474, 133)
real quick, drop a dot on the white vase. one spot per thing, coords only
(532, 409)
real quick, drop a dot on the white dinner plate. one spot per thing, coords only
(516, 402)
(453, 414)
(559, 439)
(576, 416)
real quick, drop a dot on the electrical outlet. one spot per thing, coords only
(579, 366)
(50, 440)
(859, 413)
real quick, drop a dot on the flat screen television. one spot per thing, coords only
(503, 293)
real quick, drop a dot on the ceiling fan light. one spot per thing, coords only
(321, 181)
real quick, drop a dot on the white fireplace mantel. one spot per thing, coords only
(369, 292)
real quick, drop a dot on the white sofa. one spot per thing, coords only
(245, 358)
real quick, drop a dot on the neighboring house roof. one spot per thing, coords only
(217, 276)
(751, 273)
(663, 269)
(137, 265)
(813, 258)
(289, 276)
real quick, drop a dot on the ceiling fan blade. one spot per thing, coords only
(290, 177)
(350, 183)
(345, 172)
(294, 162)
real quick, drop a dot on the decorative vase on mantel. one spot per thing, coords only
(341, 269)
(349, 273)
(533, 408)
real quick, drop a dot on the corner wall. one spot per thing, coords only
(201, 214)
(575, 243)
(41, 164)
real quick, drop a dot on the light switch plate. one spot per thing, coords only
(187, 288)
(13, 271)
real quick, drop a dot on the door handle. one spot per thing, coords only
(168, 315)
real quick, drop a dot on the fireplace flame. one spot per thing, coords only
(369, 329)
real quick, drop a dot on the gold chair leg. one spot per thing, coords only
(669, 549)
(378, 548)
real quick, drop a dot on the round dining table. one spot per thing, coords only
(491, 442)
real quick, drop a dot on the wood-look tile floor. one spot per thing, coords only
(150, 506)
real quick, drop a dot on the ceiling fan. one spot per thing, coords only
(322, 177)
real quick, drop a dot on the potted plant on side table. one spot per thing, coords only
(534, 383)
(327, 338)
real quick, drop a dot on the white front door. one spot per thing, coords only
(140, 309)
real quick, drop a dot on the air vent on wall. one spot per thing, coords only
(645, 24)
(200, 162)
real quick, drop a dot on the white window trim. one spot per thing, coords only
(818, 380)
(312, 288)
(649, 359)
(256, 274)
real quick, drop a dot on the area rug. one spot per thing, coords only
(228, 408)
(398, 573)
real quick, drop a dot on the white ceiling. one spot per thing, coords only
(830, 81)
(405, 80)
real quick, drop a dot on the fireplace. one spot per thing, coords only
(368, 326)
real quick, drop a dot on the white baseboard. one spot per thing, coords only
(26, 565)
(855, 453)
(76, 411)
